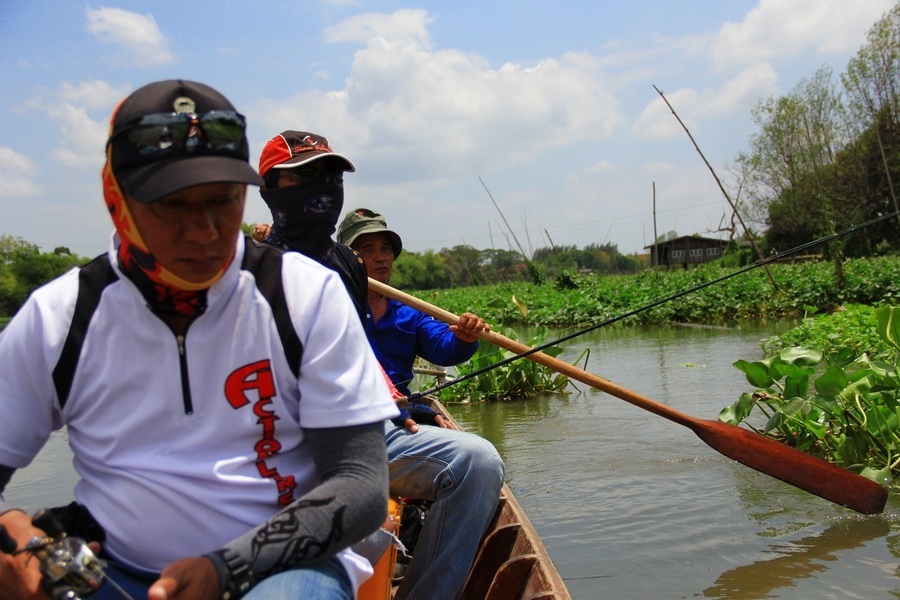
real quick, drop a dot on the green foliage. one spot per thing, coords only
(824, 155)
(566, 280)
(852, 326)
(427, 270)
(593, 258)
(464, 266)
(23, 267)
(518, 379)
(748, 296)
(842, 405)
(535, 273)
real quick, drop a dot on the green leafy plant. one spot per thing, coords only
(803, 289)
(853, 326)
(518, 379)
(842, 406)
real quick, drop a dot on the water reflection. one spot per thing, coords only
(797, 560)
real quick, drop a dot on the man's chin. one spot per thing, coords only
(199, 274)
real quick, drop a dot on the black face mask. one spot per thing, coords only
(305, 216)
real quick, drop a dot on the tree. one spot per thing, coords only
(790, 166)
(23, 267)
(873, 76)
(871, 84)
(502, 265)
(425, 271)
(463, 265)
(13, 249)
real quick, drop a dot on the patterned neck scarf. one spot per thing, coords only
(304, 216)
(163, 290)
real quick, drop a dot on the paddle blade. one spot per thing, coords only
(797, 468)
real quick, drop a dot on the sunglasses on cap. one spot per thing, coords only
(156, 136)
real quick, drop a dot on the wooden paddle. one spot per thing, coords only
(756, 451)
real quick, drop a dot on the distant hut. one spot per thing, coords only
(685, 250)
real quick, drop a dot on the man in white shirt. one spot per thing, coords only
(221, 402)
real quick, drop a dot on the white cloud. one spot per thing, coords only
(407, 25)
(447, 113)
(782, 28)
(656, 121)
(137, 34)
(82, 137)
(743, 90)
(601, 167)
(92, 94)
(16, 172)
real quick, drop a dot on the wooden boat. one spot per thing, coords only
(511, 562)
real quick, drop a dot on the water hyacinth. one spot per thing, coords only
(839, 404)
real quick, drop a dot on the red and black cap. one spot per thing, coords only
(290, 149)
(174, 134)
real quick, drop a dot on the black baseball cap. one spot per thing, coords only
(174, 134)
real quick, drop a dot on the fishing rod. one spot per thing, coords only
(69, 568)
(749, 448)
(775, 257)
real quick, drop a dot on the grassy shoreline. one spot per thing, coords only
(800, 288)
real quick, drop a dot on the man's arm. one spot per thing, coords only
(349, 504)
(437, 343)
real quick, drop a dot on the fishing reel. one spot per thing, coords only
(70, 569)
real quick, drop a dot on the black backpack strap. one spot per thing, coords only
(92, 280)
(350, 266)
(264, 262)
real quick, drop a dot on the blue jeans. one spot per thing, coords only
(462, 474)
(325, 582)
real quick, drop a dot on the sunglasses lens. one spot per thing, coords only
(304, 175)
(158, 133)
(223, 130)
(215, 131)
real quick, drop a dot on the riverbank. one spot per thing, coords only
(706, 295)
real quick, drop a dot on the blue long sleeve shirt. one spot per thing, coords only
(403, 333)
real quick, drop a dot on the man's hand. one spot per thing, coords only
(469, 327)
(186, 579)
(20, 578)
(411, 426)
(260, 231)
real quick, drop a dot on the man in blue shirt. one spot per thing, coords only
(399, 333)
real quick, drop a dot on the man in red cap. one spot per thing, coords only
(460, 473)
(177, 362)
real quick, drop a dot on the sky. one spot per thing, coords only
(509, 124)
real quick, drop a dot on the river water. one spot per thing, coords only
(631, 505)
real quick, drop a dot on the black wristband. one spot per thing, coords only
(235, 576)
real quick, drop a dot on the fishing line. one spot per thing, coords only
(669, 298)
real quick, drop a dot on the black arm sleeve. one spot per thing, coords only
(349, 504)
(6, 474)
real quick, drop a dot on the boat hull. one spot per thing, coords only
(512, 562)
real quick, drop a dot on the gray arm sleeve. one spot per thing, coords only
(349, 504)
